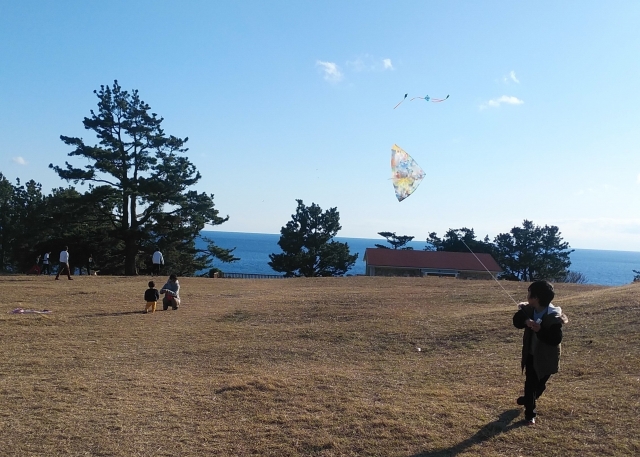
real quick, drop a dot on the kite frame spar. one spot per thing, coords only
(405, 97)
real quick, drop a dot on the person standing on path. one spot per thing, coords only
(157, 260)
(64, 263)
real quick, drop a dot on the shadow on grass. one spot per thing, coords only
(500, 425)
(120, 313)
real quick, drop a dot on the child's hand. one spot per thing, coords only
(533, 325)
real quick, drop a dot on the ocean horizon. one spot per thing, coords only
(601, 267)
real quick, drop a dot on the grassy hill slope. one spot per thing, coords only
(323, 367)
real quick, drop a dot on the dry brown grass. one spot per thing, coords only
(323, 367)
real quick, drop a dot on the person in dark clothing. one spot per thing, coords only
(91, 268)
(151, 296)
(542, 323)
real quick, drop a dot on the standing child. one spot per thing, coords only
(151, 296)
(542, 324)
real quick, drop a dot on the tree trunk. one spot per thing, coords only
(131, 251)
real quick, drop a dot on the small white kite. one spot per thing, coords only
(406, 174)
(29, 311)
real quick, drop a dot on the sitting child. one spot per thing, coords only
(171, 291)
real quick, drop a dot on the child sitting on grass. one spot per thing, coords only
(151, 296)
(171, 291)
(542, 324)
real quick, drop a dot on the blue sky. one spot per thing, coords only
(286, 100)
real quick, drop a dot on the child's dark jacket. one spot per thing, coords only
(151, 295)
(546, 356)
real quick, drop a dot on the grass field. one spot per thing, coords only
(317, 367)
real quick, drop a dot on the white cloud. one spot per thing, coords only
(362, 63)
(20, 160)
(505, 99)
(367, 62)
(331, 71)
(598, 190)
(511, 77)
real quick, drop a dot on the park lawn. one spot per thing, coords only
(309, 367)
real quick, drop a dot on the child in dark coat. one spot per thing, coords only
(542, 323)
(151, 296)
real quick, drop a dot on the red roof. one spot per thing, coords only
(442, 260)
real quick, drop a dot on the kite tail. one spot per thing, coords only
(494, 278)
(438, 100)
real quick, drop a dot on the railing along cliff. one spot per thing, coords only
(249, 276)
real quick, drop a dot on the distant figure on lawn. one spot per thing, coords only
(35, 269)
(542, 324)
(151, 296)
(91, 266)
(45, 263)
(64, 263)
(171, 291)
(157, 260)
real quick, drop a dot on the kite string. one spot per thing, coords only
(494, 278)
(405, 97)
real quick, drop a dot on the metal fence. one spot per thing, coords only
(248, 276)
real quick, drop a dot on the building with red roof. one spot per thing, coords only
(400, 262)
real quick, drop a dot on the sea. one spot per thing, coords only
(607, 268)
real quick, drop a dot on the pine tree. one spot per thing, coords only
(396, 241)
(307, 244)
(144, 173)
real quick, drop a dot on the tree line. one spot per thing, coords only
(139, 198)
(524, 253)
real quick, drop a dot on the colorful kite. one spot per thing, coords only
(405, 173)
(405, 97)
(426, 98)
